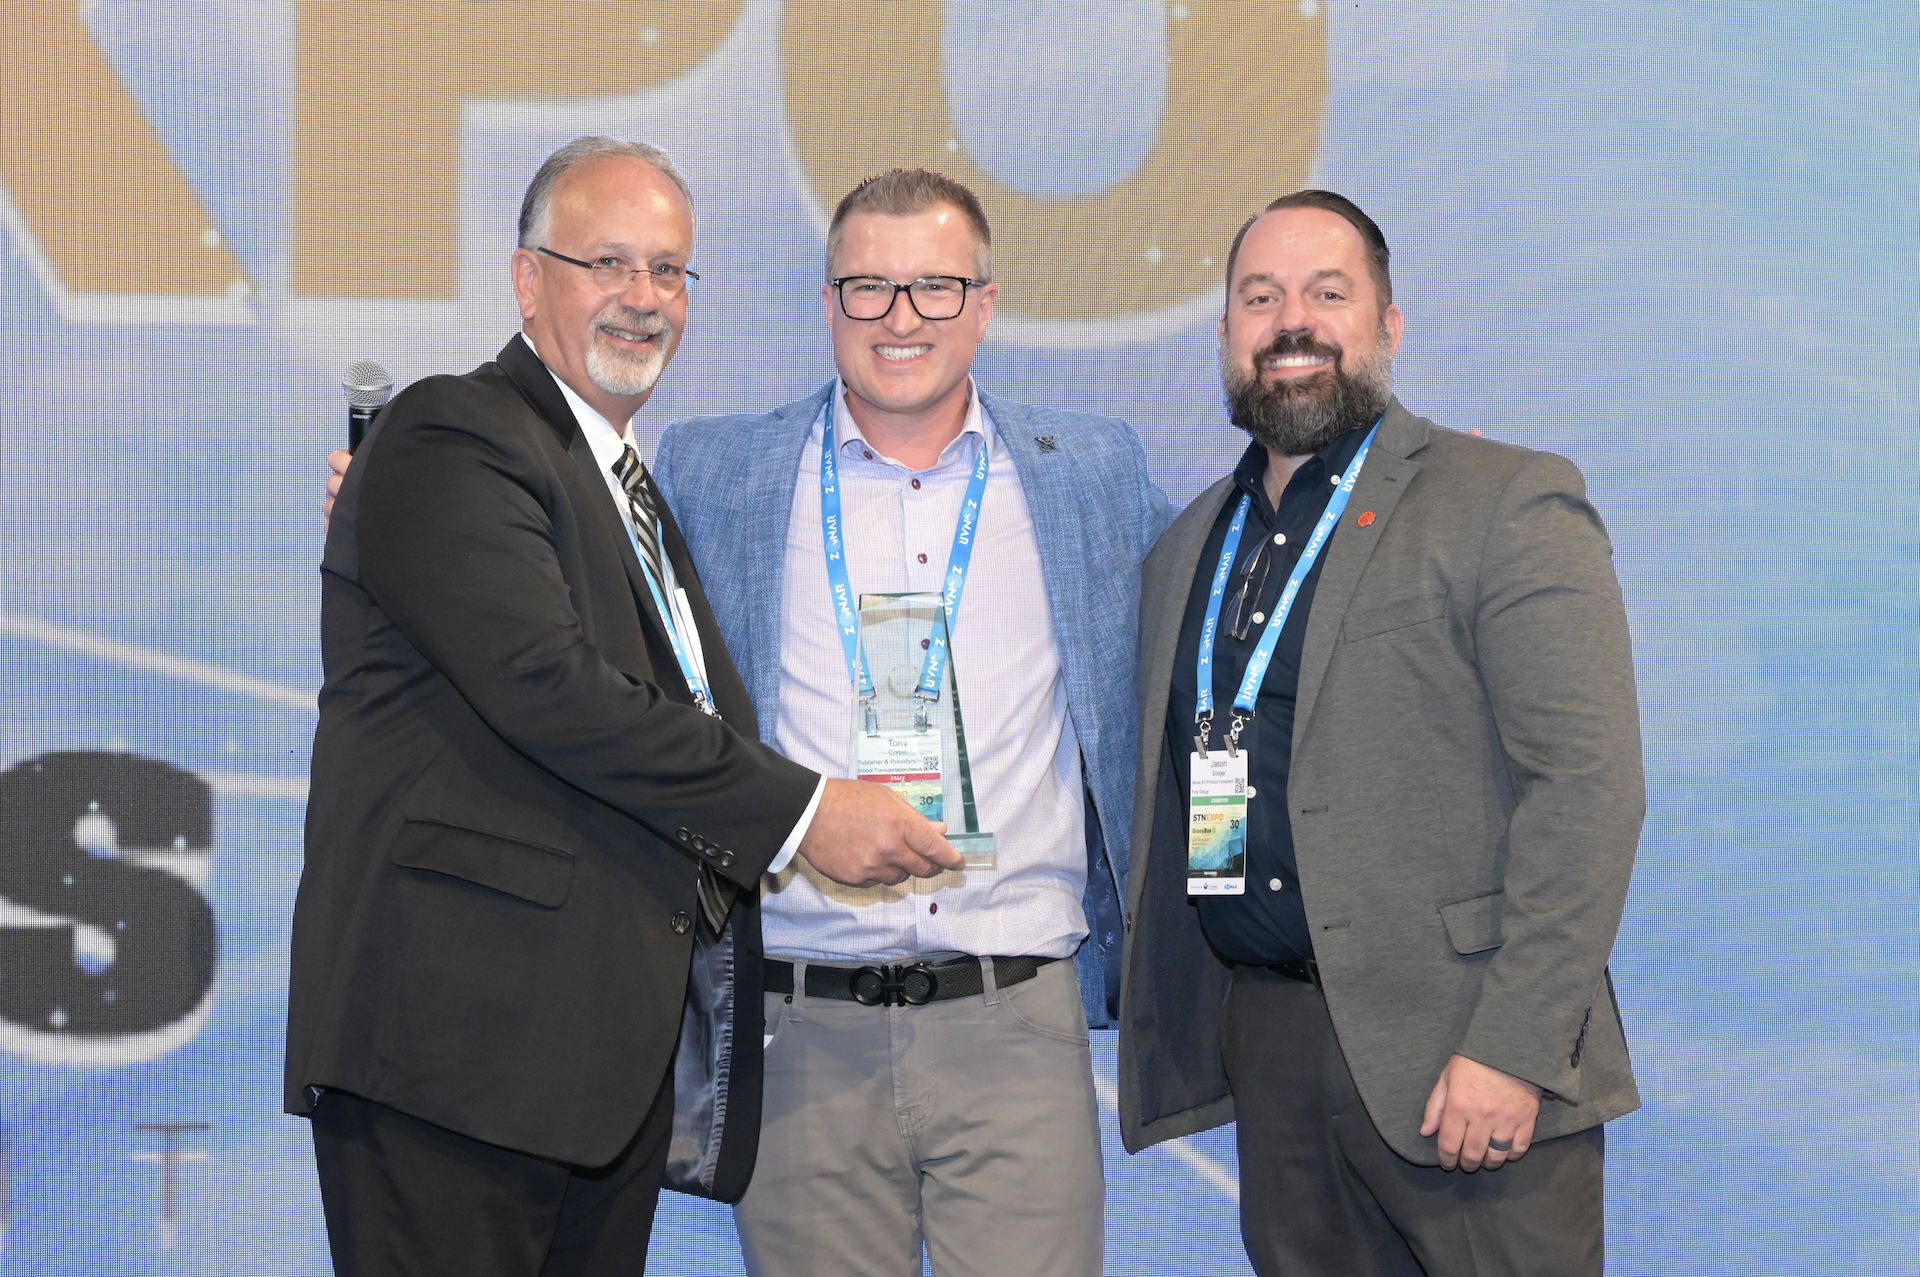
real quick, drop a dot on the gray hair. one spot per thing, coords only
(536, 207)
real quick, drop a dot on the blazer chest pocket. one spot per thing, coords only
(535, 873)
(1395, 614)
(1473, 925)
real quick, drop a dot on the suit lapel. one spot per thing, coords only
(730, 695)
(615, 525)
(776, 445)
(537, 386)
(1052, 505)
(1383, 480)
(1173, 566)
(1165, 584)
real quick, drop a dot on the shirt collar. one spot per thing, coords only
(607, 443)
(1250, 476)
(847, 430)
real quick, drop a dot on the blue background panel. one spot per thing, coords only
(1674, 242)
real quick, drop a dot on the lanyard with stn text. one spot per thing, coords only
(1248, 696)
(833, 525)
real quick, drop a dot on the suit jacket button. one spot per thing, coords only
(699, 843)
(685, 834)
(726, 859)
(681, 921)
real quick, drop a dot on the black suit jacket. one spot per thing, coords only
(511, 793)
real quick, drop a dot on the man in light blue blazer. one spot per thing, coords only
(927, 1074)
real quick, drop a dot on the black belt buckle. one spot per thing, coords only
(903, 984)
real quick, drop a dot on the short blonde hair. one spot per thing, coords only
(905, 192)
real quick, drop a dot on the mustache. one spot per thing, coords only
(1296, 343)
(648, 323)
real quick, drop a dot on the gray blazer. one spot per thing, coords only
(1466, 797)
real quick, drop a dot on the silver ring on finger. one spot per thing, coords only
(1500, 1146)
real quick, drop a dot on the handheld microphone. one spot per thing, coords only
(368, 388)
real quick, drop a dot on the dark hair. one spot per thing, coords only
(904, 192)
(1332, 202)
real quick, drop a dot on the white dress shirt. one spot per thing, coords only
(608, 444)
(1025, 755)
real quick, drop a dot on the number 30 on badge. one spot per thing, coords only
(1217, 824)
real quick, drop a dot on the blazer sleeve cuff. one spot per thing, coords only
(1530, 1061)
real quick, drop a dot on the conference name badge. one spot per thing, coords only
(1217, 824)
(908, 763)
(902, 719)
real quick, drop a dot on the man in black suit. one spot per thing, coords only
(540, 808)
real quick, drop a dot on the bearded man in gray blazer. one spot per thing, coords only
(1389, 795)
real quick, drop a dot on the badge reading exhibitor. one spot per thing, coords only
(1217, 824)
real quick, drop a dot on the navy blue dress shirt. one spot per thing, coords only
(1268, 924)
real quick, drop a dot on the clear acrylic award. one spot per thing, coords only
(911, 735)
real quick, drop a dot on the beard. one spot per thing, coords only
(627, 372)
(1297, 417)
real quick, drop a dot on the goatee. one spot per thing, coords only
(1297, 417)
(627, 372)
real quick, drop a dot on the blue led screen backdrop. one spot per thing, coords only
(1676, 243)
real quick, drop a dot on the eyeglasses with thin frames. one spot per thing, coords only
(616, 274)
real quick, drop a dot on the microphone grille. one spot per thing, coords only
(367, 384)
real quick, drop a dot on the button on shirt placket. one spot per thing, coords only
(928, 512)
(1269, 926)
(928, 523)
(922, 514)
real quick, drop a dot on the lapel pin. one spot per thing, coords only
(1365, 519)
(1046, 443)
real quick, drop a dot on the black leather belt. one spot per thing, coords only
(883, 984)
(1306, 970)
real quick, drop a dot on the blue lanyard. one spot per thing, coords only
(1248, 696)
(689, 669)
(959, 559)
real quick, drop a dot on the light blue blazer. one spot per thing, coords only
(730, 482)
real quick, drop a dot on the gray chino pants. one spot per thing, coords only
(970, 1123)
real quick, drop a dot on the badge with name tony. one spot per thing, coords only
(907, 762)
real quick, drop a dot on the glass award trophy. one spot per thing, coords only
(911, 736)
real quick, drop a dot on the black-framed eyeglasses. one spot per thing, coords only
(615, 274)
(1241, 616)
(931, 296)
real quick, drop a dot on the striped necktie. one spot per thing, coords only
(716, 893)
(632, 474)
